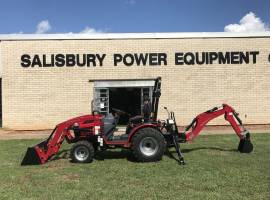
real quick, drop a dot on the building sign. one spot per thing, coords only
(139, 59)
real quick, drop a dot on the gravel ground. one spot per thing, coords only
(32, 134)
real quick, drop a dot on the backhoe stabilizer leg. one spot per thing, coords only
(178, 150)
(245, 145)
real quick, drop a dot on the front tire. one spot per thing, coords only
(82, 152)
(148, 145)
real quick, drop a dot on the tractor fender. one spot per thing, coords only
(136, 129)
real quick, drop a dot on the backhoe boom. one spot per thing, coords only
(199, 122)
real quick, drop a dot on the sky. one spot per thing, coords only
(133, 16)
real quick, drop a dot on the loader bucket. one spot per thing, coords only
(31, 157)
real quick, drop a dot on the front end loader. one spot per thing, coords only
(85, 127)
(146, 139)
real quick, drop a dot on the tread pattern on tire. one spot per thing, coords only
(90, 148)
(147, 132)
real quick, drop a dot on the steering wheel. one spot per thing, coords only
(120, 112)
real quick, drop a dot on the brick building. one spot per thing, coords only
(49, 78)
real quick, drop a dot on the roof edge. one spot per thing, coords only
(110, 36)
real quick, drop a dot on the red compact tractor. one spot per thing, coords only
(147, 139)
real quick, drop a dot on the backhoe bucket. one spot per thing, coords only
(32, 157)
(245, 145)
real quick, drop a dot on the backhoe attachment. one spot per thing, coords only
(198, 123)
(174, 137)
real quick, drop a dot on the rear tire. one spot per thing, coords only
(82, 152)
(148, 145)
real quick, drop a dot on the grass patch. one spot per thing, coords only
(214, 170)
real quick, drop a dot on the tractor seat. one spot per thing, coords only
(110, 123)
(136, 119)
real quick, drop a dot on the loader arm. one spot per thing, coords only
(51, 146)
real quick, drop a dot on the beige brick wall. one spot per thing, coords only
(39, 98)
